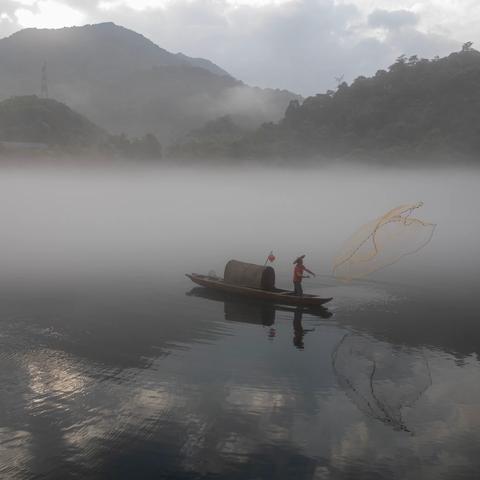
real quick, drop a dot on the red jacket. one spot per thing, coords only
(298, 273)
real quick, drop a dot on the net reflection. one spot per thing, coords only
(259, 312)
(383, 381)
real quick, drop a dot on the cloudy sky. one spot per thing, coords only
(301, 45)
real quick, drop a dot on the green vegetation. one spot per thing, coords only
(34, 120)
(214, 139)
(418, 108)
(147, 147)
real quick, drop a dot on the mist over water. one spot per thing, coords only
(113, 363)
(90, 221)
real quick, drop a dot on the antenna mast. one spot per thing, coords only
(44, 91)
(339, 79)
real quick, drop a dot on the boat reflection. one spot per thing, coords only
(258, 312)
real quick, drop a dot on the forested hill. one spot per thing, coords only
(30, 120)
(418, 107)
(35, 120)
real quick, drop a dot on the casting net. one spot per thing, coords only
(383, 242)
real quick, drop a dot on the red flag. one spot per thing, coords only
(271, 257)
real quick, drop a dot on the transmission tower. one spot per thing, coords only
(44, 91)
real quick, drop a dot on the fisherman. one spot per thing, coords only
(298, 275)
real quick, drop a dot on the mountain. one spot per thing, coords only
(418, 108)
(125, 83)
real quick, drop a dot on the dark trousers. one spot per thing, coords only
(297, 288)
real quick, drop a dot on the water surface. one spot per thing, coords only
(114, 365)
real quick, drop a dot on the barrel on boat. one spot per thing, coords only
(249, 275)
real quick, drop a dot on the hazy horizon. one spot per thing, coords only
(76, 221)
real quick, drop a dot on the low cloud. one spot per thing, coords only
(392, 20)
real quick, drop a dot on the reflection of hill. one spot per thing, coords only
(157, 457)
(89, 405)
(116, 330)
(431, 321)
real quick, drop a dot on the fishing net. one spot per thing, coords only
(382, 381)
(383, 242)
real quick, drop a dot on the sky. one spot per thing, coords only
(299, 45)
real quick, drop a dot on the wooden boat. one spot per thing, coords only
(275, 295)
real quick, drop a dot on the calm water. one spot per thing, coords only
(114, 365)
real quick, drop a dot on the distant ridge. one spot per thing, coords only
(142, 52)
(124, 82)
(203, 63)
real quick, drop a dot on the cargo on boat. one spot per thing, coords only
(254, 281)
